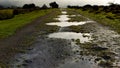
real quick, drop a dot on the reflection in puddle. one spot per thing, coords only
(83, 63)
(78, 60)
(73, 15)
(66, 24)
(64, 12)
(64, 21)
(72, 35)
(63, 18)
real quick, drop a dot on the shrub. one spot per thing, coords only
(29, 6)
(6, 14)
(54, 5)
(20, 11)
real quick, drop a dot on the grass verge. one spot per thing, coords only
(9, 27)
(103, 18)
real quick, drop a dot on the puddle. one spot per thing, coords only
(66, 24)
(72, 35)
(85, 62)
(64, 12)
(64, 21)
(73, 15)
(79, 61)
(63, 18)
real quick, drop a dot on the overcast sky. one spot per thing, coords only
(60, 2)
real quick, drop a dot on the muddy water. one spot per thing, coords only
(62, 18)
(64, 21)
(76, 60)
(66, 24)
(79, 61)
(102, 38)
(72, 35)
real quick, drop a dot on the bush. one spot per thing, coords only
(54, 5)
(6, 14)
(29, 6)
(20, 11)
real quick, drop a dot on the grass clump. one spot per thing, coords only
(101, 52)
(76, 29)
(77, 18)
(77, 41)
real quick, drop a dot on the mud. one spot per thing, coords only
(102, 51)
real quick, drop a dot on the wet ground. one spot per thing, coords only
(93, 46)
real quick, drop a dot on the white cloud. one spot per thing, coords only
(60, 2)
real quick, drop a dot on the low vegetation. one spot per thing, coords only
(106, 57)
(79, 28)
(9, 27)
(76, 29)
(107, 15)
(6, 14)
(75, 16)
(11, 11)
(27, 41)
(107, 19)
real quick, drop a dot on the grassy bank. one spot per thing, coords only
(107, 19)
(9, 27)
(22, 45)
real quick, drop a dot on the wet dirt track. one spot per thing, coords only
(99, 48)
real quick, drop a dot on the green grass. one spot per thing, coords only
(9, 27)
(76, 29)
(107, 19)
(76, 17)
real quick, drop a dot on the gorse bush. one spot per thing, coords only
(6, 14)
